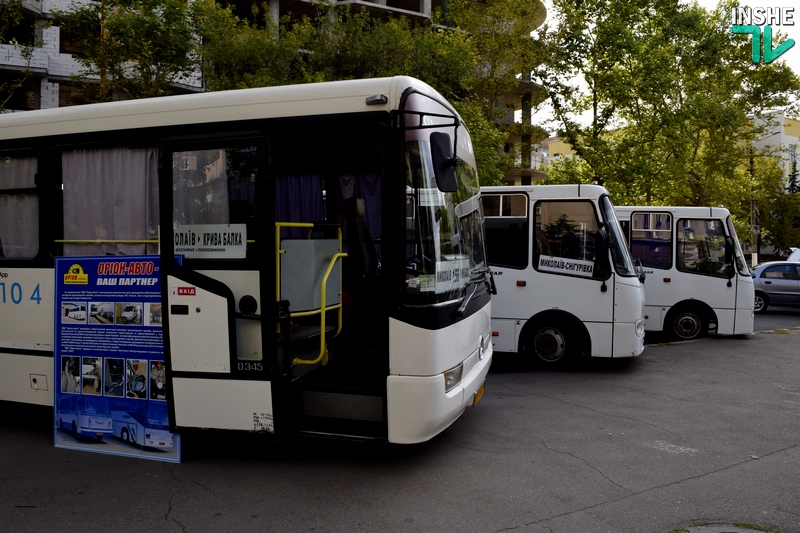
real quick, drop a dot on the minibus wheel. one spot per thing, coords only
(550, 345)
(687, 324)
(554, 341)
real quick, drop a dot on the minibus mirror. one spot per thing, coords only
(602, 265)
(729, 256)
(639, 270)
(444, 164)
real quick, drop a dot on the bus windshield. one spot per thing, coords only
(444, 236)
(623, 263)
(738, 254)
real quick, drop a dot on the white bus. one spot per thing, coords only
(308, 301)
(566, 284)
(84, 416)
(698, 281)
(78, 313)
(145, 425)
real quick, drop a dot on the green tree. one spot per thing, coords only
(335, 45)
(663, 114)
(474, 61)
(131, 48)
(779, 211)
(237, 53)
(338, 44)
(13, 33)
(500, 36)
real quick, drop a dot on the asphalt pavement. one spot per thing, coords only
(692, 436)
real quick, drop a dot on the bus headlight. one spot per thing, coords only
(640, 328)
(453, 377)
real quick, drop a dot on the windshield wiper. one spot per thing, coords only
(475, 278)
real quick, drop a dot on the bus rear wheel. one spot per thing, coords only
(550, 345)
(554, 344)
(687, 324)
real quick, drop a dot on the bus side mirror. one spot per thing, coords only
(444, 164)
(639, 270)
(729, 256)
(602, 265)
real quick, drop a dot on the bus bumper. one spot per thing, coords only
(418, 407)
(625, 344)
(93, 432)
(623, 339)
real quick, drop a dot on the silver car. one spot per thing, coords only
(777, 283)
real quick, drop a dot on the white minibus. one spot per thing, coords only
(566, 284)
(698, 281)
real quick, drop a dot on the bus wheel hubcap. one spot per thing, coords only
(550, 344)
(687, 325)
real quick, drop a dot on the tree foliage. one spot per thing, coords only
(339, 44)
(10, 18)
(471, 54)
(131, 48)
(663, 111)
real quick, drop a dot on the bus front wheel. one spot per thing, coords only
(687, 324)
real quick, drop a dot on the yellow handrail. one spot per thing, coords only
(323, 307)
(323, 347)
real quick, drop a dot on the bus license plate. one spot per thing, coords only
(479, 393)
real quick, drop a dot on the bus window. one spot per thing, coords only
(507, 224)
(701, 247)
(119, 188)
(565, 229)
(214, 186)
(651, 239)
(19, 208)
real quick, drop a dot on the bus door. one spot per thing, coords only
(216, 313)
(570, 256)
(275, 264)
(327, 280)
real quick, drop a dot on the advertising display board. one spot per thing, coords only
(110, 394)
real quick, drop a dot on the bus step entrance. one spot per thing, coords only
(341, 411)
